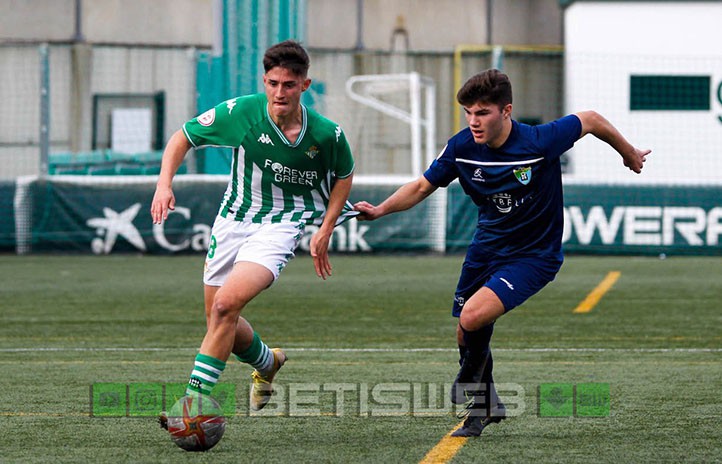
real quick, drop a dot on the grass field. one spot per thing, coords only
(380, 328)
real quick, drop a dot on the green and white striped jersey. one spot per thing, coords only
(273, 180)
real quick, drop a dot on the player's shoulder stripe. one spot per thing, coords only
(498, 163)
(353, 168)
(443, 150)
(188, 136)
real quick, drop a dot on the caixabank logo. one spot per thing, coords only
(124, 225)
(181, 232)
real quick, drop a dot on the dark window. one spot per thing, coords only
(691, 93)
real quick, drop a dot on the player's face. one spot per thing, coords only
(488, 123)
(283, 90)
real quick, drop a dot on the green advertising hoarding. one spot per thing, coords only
(7, 219)
(101, 216)
(622, 219)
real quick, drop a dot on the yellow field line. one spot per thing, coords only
(595, 295)
(446, 449)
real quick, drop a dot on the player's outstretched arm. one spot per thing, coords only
(321, 239)
(163, 199)
(407, 196)
(595, 124)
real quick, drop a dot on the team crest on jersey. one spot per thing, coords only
(207, 118)
(523, 175)
(312, 152)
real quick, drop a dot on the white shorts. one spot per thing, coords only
(270, 245)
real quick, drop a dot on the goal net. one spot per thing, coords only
(393, 136)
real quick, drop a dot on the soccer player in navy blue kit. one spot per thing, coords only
(512, 173)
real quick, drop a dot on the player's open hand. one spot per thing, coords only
(635, 160)
(368, 211)
(319, 252)
(163, 201)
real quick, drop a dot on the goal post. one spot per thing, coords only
(409, 100)
(369, 91)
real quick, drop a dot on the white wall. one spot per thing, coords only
(162, 22)
(432, 25)
(156, 22)
(606, 42)
(37, 19)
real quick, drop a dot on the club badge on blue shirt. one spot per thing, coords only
(523, 175)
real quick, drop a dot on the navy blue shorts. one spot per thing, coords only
(513, 280)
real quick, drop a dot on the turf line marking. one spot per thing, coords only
(595, 295)
(376, 350)
(446, 449)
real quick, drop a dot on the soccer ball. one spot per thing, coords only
(196, 423)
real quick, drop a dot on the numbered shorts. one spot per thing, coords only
(513, 281)
(270, 245)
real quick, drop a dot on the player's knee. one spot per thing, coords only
(470, 320)
(225, 310)
(474, 318)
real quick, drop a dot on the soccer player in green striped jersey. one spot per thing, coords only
(291, 167)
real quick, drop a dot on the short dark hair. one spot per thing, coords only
(288, 54)
(491, 86)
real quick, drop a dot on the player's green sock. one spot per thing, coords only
(257, 355)
(206, 372)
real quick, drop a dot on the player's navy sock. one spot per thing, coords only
(479, 352)
(462, 353)
(257, 355)
(477, 341)
(206, 372)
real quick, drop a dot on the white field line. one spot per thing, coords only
(376, 350)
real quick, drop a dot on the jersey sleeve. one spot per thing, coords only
(345, 163)
(216, 127)
(559, 136)
(443, 169)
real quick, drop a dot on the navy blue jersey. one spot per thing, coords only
(517, 187)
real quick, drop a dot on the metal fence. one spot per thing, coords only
(59, 99)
